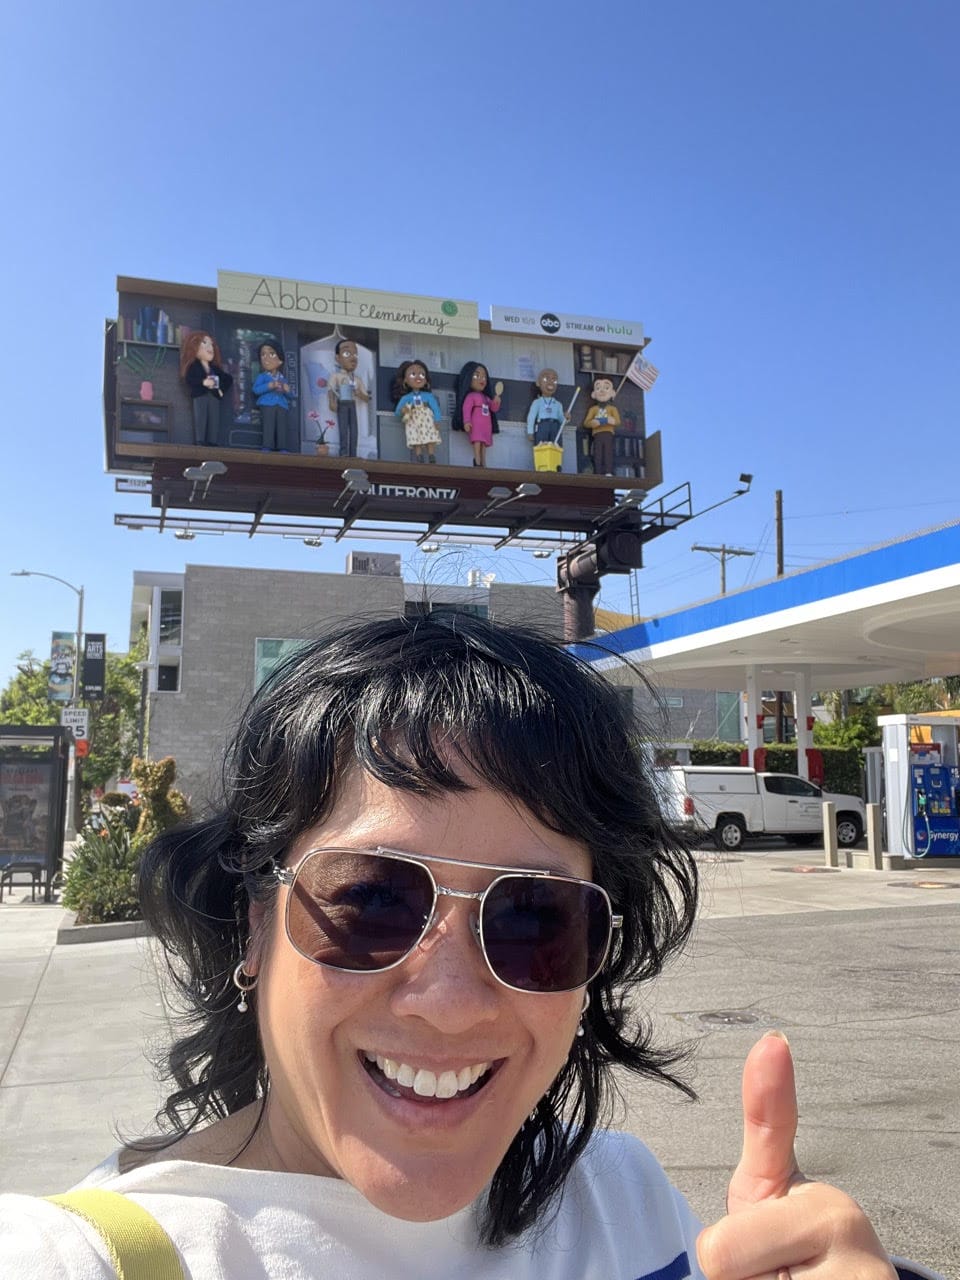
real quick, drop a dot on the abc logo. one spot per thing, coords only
(549, 323)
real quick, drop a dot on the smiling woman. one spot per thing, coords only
(408, 946)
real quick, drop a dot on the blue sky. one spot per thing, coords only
(772, 189)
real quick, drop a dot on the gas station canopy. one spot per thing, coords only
(888, 614)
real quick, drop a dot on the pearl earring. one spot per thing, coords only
(239, 974)
(586, 1005)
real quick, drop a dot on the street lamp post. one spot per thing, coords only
(71, 830)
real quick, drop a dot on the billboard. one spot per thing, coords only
(287, 383)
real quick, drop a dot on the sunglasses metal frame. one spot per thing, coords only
(287, 876)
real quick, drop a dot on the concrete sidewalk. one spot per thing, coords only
(73, 1025)
(778, 937)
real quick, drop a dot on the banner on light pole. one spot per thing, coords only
(94, 668)
(63, 661)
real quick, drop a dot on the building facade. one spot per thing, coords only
(215, 633)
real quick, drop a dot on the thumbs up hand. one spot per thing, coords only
(779, 1226)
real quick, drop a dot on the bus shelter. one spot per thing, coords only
(33, 797)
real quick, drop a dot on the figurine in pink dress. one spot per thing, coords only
(476, 411)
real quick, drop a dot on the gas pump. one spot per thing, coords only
(922, 785)
(934, 787)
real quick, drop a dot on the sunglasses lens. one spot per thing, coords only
(355, 911)
(545, 935)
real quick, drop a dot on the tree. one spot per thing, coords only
(112, 731)
(916, 696)
(859, 730)
(113, 721)
(24, 700)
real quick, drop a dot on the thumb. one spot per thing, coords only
(768, 1165)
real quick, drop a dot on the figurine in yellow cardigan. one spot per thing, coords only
(602, 419)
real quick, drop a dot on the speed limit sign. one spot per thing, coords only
(77, 719)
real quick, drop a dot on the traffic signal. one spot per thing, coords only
(615, 547)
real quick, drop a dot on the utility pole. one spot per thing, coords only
(723, 553)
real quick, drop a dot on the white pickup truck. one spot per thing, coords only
(732, 803)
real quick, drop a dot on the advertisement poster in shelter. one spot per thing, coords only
(25, 793)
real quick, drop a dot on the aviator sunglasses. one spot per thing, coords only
(365, 910)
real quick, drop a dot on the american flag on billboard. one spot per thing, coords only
(643, 373)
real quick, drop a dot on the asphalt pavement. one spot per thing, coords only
(860, 969)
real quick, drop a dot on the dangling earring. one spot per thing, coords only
(243, 987)
(586, 1005)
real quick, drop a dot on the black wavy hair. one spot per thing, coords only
(392, 697)
(464, 378)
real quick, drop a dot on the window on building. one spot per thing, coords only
(729, 726)
(625, 697)
(423, 608)
(268, 654)
(168, 677)
(171, 617)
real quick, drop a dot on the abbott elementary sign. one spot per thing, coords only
(293, 299)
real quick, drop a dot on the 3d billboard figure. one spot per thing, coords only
(476, 412)
(546, 415)
(345, 391)
(417, 408)
(318, 419)
(273, 392)
(602, 419)
(201, 368)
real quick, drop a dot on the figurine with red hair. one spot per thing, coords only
(201, 368)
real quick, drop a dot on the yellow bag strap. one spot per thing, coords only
(139, 1247)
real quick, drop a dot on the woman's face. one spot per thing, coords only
(205, 349)
(330, 1109)
(479, 380)
(269, 360)
(415, 377)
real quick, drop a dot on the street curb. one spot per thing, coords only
(69, 932)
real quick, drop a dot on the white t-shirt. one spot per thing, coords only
(619, 1219)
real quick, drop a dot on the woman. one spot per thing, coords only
(201, 368)
(406, 946)
(273, 398)
(417, 408)
(476, 411)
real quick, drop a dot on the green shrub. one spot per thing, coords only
(161, 805)
(781, 757)
(841, 766)
(114, 800)
(714, 752)
(841, 770)
(100, 879)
